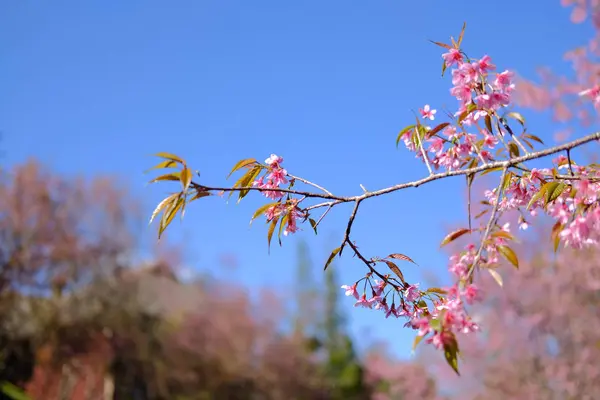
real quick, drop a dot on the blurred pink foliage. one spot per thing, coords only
(560, 93)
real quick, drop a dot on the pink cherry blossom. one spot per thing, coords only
(427, 112)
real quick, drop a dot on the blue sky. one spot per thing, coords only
(96, 87)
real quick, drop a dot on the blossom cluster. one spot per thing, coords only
(271, 181)
(571, 199)
(478, 99)
(437, 314)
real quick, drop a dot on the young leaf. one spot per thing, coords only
(453, 236)
(313, 223)
(162, 205)
(509, 254)
(175, 176)
(251, 177)
(436, 290)
(533, 137)
(271, 230)
(497, 277)
(398, 256)
(284, 221)
(556, 229)
(444, 66)
(487, 171)
(503, 234)
(488, 124)
(402, 132)
(262, 209)
(445, 46)
(395, 270)
(199, 194)
(436, 129)
(538, 195)
(185, 178)
(241, 164)
(554, 190)
(462, 34)
(331, 256)
(517, 116)
(514, 150)
(169, 214)
(170, 156)
(416, 342)
(451, 351)
(13, 392)
(163, 164)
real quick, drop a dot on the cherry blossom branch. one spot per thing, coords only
(490, 223)
(512, 162)
(310, 183)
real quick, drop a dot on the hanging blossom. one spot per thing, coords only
(275, 177)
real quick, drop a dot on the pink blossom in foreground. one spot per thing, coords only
(427, 112)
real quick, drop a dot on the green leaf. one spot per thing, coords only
(284, 221)
(436, 290)
(444, 66)
(487, 171)
(163, 164)
(398, 256)
(470, 108)
(517, 116)
(488, 124)
(170, 156)
(435, 324)
(262, 209)
(513, 150)
(241, 164)
(162, 205)
(451, 351)
(461, 36)
(252, 175)
(509, 254)
(416, 342)
(554, 190)
(271, 230)
(454, 235)
(169, 214)
(313, 223)
(175, 176)
(538, 195)
(185, 178)
(395, 270)
(496, 276)
(331, 257)
(503, 234)
(402, 132)
(507, 179)
(556, 229)
(13, 391)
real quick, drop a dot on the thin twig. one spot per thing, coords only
(349, 226)
(423, 153)
(323, 216)
(490, 223)
(570, 162)
(369, 263)
(310, 183)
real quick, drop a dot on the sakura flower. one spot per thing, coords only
(351, 290)
(427, 112)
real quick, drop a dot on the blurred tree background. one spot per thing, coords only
(81, 320)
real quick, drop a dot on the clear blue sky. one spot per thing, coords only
(97, 86)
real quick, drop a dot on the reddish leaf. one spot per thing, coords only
(454, 235)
